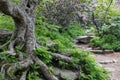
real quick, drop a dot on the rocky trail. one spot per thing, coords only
(108, 59)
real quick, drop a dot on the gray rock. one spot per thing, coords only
(108, 51)
(84, 39)
(108, 61)
(89, 32)
(110, 69)
(65, 73)
(96, 51)
(101, 51)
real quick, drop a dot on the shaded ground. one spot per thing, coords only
(110, 61)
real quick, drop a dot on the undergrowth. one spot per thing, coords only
(51, 40)
(6, 22)
(49, 37)
(109, 37)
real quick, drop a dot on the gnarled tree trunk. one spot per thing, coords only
(24, 18)
(23, 35)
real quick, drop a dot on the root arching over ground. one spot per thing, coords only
(9, 70)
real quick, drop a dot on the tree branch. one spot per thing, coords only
(61, 57)
(10, 9)
(46, 72)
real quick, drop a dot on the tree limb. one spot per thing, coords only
(61, 57)
(23, 77)
(10, 9)
(19, 65)
(46, 72)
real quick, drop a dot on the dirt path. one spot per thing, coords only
(110, 61)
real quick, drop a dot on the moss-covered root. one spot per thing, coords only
(8, 70)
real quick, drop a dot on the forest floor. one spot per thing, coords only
(110, 61)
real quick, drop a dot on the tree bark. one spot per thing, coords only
(23, 35)
(24, 18)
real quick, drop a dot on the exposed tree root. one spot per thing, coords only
(23, 36)
(58, 56)
(43, 67)
(5, 44)
(3, 71)
(8, 70)
(11, 50)
(21, 57)
(61, 57)
(18, 66)
(4, 34)
(23, 77)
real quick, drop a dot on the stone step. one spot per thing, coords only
(108, 61)
(83, 39)
(66, 74)
(101, 51)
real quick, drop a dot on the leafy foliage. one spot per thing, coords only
(43, 54)
(90, 69)
(59, 12)
(109, 35)
(52, 39)
(49, 36)
(7, 58)
(33, 76)
(6, 22)
(101, 12)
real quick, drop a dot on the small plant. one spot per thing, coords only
(43, 54)
(74, 30)
(1, 75)
(33, 76)
(6, 22)
(7, 58)
(89, 68)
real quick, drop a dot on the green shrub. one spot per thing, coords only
(96, 42)
(33, 76)
(106, 42)
(109, 37)
(62, 43)
(60, 12)
(50, 34)
(90, 69)
(43, 54)
(74, 30)
(7, 58)
(6, 22)
(116, 46)
(105, 10)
